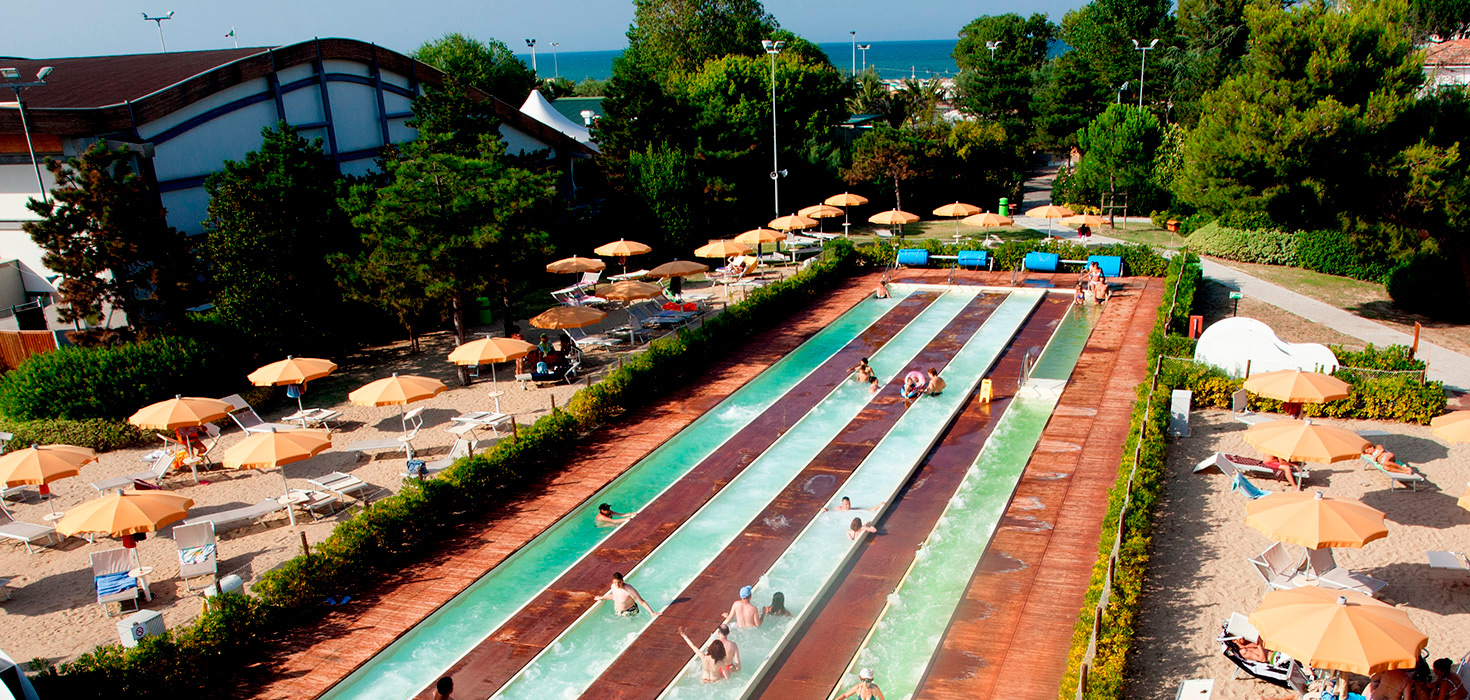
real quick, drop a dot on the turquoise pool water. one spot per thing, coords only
(423, 654)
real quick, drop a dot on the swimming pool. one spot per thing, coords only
(590, 644)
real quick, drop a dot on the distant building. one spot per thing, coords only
(185, 113)
(1448, 62)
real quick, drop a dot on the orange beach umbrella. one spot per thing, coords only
(1306, 441)
(1296, 386)
(575, 264)
(678, 268)
(1315, 521)
(396, 390)
(846, 199)
(39, 465)
(1340, 630)
(292, 370)
(124, 514)
(957, 211)
(180, 412)
(568, 317)
(722, 248)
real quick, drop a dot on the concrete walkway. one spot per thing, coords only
(1445, 365)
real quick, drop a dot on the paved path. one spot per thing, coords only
(1445, 365)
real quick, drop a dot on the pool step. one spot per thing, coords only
(1037, 388)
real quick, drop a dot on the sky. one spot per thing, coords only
(52, 29)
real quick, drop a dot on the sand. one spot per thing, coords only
(1198, 573)
(53, 612)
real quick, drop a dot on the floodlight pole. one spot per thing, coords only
(531, 43)
(555, 64)
(1141, 64)
(25, 125)
(854, 52)
(159, 22)
(864, 48)
(772, 48)
(992, 46)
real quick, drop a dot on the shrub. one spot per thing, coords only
(1424, 283)
(1393, 357)
(1337, 253)
(1138, 259)
(1267, 246)
(99, 434)
(110, 382)
(206, 655)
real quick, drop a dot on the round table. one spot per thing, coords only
(139, 573)
(53, 517)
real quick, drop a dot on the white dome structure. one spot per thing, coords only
(536, 107)
(1233, 342)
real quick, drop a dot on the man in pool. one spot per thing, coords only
(936, 385)
(744, 613)
(846, 504)
(625, 598)
(606, 516)
(732, 652)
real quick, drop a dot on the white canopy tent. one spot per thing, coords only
(538, 108)
(1232, 343)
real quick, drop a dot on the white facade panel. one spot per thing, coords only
(295, 73)
(304, 105)
(399, 131)
(519, 142)
(391, 78)
(360, 167)
(203, 149)
(224, 97)
(187, 209)
(396, 104)
(355, 114)
(348, 67)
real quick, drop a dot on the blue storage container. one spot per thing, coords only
(1041, 262)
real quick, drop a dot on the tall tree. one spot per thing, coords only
(1214, 35)
(1118, 152)
(1103, 32)
(486, 65)
(670, 37)
(455, 227)
(888, 156)
(996, 85)
(104, 231)
(273, 220)
(1069, 94)
(1445, 19)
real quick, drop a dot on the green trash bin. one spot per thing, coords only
(482, 313)
(1005, 207)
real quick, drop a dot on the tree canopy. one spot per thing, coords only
(487, 65)
(670, 37)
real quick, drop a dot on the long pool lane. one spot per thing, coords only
(578, 655)
(908, 632)
(495, 660)
(809, 667)
(806, 568)
(431, 647)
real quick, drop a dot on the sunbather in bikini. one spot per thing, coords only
(1386, 459)
(1287, 469)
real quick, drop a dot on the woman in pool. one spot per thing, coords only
(865, 689)
(711, 659)
(777, 606)
(913, 386)
(857, 528)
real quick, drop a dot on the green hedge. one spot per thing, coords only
(1108, 672)
(1329, 252)
(1429, 284)
(99, 434)
(398, 530)
(1268, 247)
(110, 382)
(1138, 259)
(1392, 397)
(1393, 357)
(1336, 253)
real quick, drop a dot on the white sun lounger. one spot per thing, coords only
(1278, 568)
(1230, 464)
(197, 553)
(154, 476)
(250, 421)
(1412, 479)
(238, 517)
(1453, 561)
(111, 580)
(345, 485)
(1322, 570)
(26, 533)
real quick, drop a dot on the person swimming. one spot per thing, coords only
(711, 659)
(936, 385)
(865, 689)
(606, 516)
(777, 606)
(742, 612)
(625, 598)
(862, 372)
(858, 527)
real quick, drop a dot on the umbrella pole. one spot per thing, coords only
(286, 496)
(299, 392)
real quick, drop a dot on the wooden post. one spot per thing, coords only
(553, 401)
(513, 434)
(305, 550)
(1247, 369)
(1414, 350)
(587, 379)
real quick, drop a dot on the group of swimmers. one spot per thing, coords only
(1095, 282)
(915, 383)
(721, 657)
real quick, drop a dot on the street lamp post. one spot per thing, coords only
(1141, 64)
(992, 46)
(772, 48)
(159, 21)
(555, 65)
(1121, 89)
(531, 43)
(12, 81)
(854, 52)
(864, 48)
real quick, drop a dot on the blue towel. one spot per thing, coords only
(108, 584)
(1243, 485)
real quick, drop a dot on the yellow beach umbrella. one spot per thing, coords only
(1084, 220)
(1315, 521)
(1049, 212)
(39, 465)
(1305, 441)
(490, 351)
(568, 317)
(757, 236)
(1458, 431)
(180, 412)
(988, 219)
(1296, 386)
(678, 268)
(575, 264)
(622, 249)
(1449, 419)
(821, 211)
(893, 217)
(794, 222)
(292, 370)
(846, 199)
(1338, 630)
(957, 211)
(277, 449)
(722, 248)
(629, 291)
(125, 514)
(396, 390)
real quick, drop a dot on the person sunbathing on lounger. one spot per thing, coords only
(1287, 469)
(1386, 459)
(625, 598)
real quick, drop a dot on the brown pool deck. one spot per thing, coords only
(493, 662)
(657, 656)
(1033, 575)
(812, 665)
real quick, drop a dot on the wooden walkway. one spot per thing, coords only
(1015, 621)
(317, 655)
(658, 655)
(496, 660)
(814, 664)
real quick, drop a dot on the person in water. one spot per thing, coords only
(625, 598)
(742, 612)
(858, 527)
(862, 372)
(711, 659)
(846, 504)
(732, 651)
(606, 516)
(873, 385)
(865, 689)
(777, 607)
(936, 385)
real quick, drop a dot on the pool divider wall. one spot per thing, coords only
(848, 400)
(373, 679)
(889, 472)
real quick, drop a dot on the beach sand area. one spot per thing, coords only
(1198, 574)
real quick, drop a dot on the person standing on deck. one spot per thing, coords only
(743, 612)
(625, 598)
